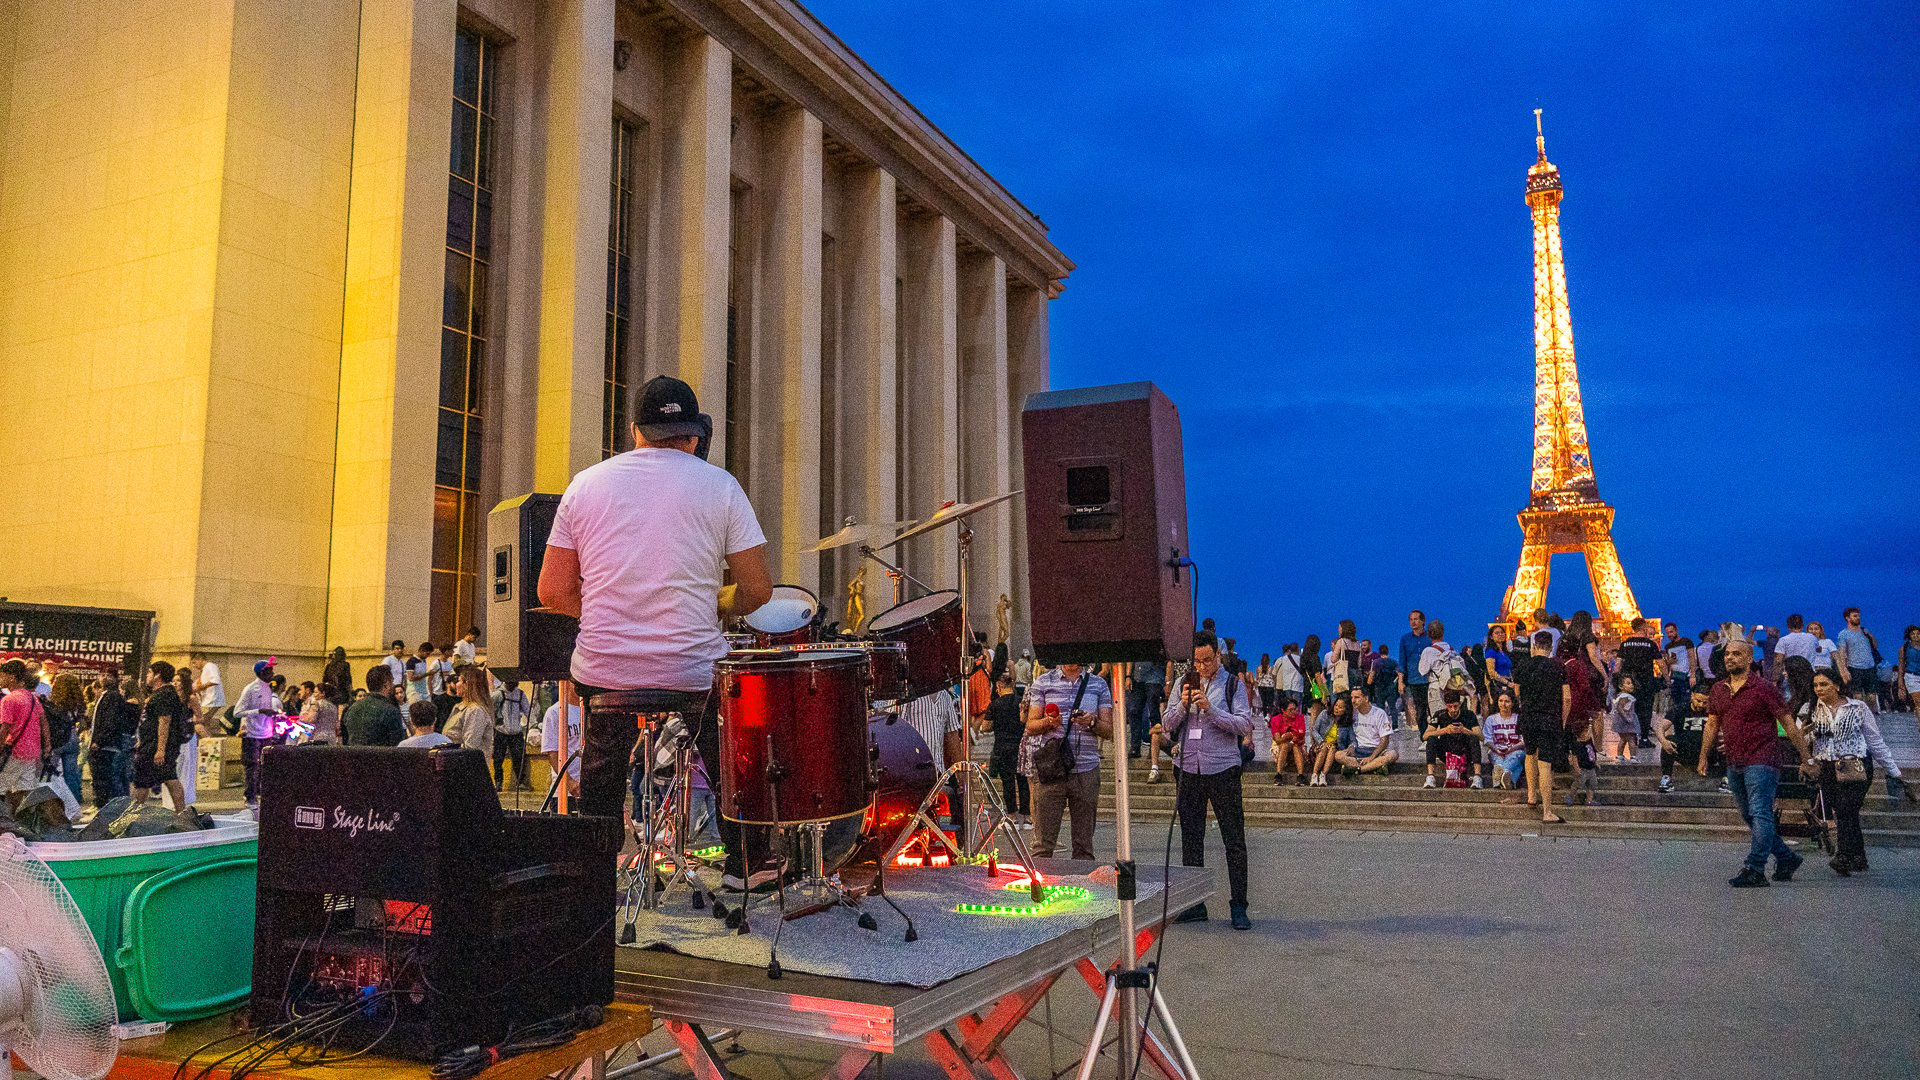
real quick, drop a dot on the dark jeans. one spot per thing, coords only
(510, 748)
(1753, 791)
(1221, 790)
(1467, 746)
(1844, 802)
(1417, 699)
(607, 758)
(1679, 693)
(250, 748)
(1015, 795)
(442, 709)
(69, 756)
(110, 781)
(1645, 688)
(1143, 711)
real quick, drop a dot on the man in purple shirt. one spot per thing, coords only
(1210, 712)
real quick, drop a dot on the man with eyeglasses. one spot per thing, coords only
(1210, 715)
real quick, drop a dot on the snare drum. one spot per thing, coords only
(931, 629)
(787, 618)
(793, 735)
(886, 665)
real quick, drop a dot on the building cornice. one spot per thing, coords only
(796, 55)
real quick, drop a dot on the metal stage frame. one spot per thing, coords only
(961, 1022)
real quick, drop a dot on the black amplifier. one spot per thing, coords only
(400, 907)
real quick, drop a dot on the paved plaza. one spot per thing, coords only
(1384, 955)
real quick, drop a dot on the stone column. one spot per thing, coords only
(929, 268)
(1026, 374)
(390, 348)
(869, 256)
(987, 440)
(573, 260)
(695, 173)
(787, 442)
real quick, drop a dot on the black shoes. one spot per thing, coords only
(1842, 865)
(1196, 913)
(1783, 870)
(1748, 878)
(1240, 920)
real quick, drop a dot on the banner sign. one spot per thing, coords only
(101, 640)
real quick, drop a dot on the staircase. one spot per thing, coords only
(1628, 804)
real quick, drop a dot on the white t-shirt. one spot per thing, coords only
(1800, 644)
(1823, 651)
(1290, 676)
(397, 665)
(653, 528)
(215, 696)
(420, 673)
(1371, 728)
(463, 651)
(427, 739)
(550, 734)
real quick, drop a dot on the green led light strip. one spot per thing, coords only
(1051, 894)
(708, 852)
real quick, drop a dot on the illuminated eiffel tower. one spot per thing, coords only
(1565, 512)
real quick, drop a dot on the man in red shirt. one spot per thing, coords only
(1746, 711)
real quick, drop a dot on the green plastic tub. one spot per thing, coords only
(173, 916)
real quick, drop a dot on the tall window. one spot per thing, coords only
(829, 418)
(614, 437)
(902, 395)
(463, 341)
(739, 320)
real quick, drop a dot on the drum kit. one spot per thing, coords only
(816, 753)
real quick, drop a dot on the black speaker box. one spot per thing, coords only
(391, 884)
(524, 643)
(1106, 501)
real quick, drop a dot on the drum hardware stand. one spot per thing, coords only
(674, 819)
(896, 574)
(991, 811)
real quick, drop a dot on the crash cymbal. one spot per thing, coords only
(854, 533)
(951, 513)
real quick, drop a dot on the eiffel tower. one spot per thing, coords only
(1565, 512)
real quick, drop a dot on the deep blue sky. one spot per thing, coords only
(1304, 222)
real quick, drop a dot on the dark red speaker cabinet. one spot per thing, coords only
(1106, 498)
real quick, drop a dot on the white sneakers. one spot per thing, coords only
(1475, 783)
(1431, 782)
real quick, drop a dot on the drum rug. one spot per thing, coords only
(951, 942)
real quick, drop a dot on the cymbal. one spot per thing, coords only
(952, 513)
(856, 534)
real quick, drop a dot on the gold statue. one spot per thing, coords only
(856, 600)
(1002, 619)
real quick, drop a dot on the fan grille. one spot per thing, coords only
(64, 1031)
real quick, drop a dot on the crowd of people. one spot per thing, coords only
(143, 738)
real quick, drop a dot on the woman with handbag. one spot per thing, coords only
(1839, 763)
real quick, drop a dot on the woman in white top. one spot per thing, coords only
(1263, 679)
(321, 713)
(1839, 760)
(471, 722)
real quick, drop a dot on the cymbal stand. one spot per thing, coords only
(894, 573)
(992, 812)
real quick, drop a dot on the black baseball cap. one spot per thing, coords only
(666, 408)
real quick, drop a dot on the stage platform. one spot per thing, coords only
(961, 1020)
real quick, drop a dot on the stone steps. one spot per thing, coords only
(1582, 821)
(1481, 805)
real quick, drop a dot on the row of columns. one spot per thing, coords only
(966, 346)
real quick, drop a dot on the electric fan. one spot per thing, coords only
(56, 1006)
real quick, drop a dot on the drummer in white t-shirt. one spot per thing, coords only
(638, 548)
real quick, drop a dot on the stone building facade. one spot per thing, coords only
(297, 291)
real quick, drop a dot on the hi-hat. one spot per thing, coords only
(856, 534)
(951, 513)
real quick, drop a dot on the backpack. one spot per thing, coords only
(1449, 673)
(59, 728)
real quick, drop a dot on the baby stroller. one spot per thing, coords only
(1799, 807)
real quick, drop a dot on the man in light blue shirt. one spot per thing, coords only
(1857, 663)
(1078, 706)
(1208, 715)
